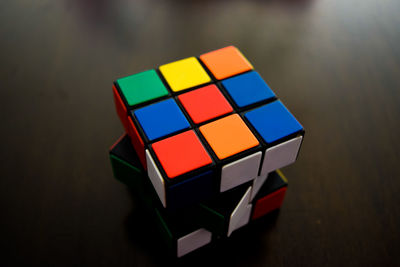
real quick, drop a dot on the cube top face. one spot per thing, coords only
(205, 103)
(161, 119)
(184, 74)
(181, 153)
(228, 136)
(214, 127)
(142, 87)
(248, 89)
(273, 121)
(226, 62)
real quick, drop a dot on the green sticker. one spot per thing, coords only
(142, 87)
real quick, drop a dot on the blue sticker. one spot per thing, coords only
(162, 118)
(247, 89)
(273, 121)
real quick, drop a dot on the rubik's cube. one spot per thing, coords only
(209, 134)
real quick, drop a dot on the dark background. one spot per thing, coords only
(334, 63)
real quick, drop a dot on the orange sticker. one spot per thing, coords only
(228, 136)
(226, 62)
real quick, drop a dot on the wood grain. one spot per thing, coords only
(335, 64)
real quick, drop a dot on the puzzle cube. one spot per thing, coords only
(203, 126)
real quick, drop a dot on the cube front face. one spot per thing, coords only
(198, 123)
(188, 229)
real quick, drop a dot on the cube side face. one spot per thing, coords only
(120, 108)
(137, 142)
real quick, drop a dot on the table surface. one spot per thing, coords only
(334, 63)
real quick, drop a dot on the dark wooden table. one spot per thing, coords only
(334, 63)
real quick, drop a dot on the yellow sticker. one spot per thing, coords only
(184, 74)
